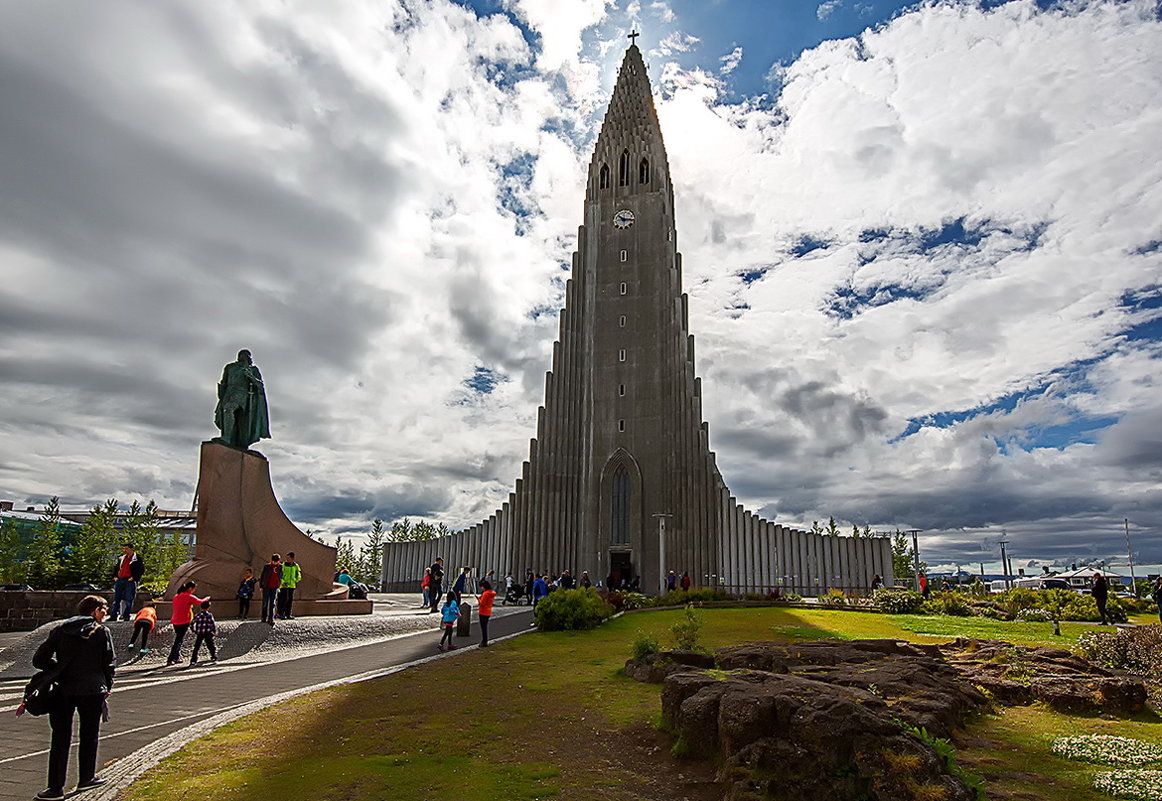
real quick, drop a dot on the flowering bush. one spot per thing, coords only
(833, 597)
(1139, 785)
(1108, 748)
(1033, 613)
(635, 600)
(898, 601)
(1060, 604)
(1138, 649)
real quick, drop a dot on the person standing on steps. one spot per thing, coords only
(270, 581)
(245, 592)
(180, 618)
(437, 583)
(81, 648)
(292, 574)
(127, 573)
(461, 585)
(484, 609)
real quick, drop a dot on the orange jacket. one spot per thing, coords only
(485, 603)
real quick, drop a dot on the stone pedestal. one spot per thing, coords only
(240, 524)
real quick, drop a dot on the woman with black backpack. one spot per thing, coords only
(79, 652)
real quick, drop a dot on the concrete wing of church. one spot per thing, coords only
(620, 481)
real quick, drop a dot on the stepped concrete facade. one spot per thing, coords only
(620, 479)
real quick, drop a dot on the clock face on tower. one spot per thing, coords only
(623, 219)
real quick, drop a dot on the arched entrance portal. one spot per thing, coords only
(621, 518)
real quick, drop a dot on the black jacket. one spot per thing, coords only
(136, 567)
(1101, 588)
(85, 648)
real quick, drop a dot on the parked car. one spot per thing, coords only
(14, 587)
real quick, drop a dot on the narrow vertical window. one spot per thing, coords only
(623, 169)
(624, 255)
(621, 321)
(603, 182)
(621, 390)
(621, 425)
(619, 531)
(621, 355)
(643, 171)
(623, 287)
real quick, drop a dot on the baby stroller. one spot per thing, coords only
(513, 595)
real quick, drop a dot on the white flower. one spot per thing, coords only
(1139, 785)
(1108, 748)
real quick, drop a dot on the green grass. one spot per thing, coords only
(550, 715)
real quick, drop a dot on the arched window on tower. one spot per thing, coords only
(619, 531)
(643, 171)
(603, 182)
(623, 169)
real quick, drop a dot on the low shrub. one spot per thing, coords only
(644, 646)
(1137, 649)
(833, 597)
(567, 610)
(1033, 614)
(793, 597)
(683, 597)
(947, 603)
(1061, 604)
(898, 601)
(686, 630)
(635, 600)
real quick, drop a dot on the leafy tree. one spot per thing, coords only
(139, 526)
(11, 561)
(43, 567)
(91, 559)
(855, 531)
(173, 550)
(867, 532)
(816, 529)
(832, 528)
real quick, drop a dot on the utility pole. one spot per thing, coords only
(915, 558)
(1004, 559)
(1130, 551)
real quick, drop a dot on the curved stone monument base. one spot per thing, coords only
(240, 525)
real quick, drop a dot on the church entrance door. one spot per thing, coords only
(620, 569)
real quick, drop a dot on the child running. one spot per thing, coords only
(205, 628)
(144, 624)
(450, 614)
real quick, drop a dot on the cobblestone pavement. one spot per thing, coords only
(151, 701)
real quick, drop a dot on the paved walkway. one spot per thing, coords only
(151, 704)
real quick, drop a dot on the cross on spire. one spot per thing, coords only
(633, 35)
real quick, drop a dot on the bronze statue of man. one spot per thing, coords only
(241, 415)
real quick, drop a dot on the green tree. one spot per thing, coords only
(407, 531)
(903, 559)
(816, 529)
(371, 554)
(173, 550)
(11, 556)
(855, 531)
(139, 526)
(867, 532)
(832, 528)
(43, 567)
(93, 553)
(345, 560)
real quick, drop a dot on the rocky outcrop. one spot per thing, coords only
(832, 721)
(1016, 675)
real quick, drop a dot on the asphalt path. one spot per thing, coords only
(155, 704)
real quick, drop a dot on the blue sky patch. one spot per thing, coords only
(484, 380)
(808, 244)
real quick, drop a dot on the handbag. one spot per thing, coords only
(41, 692)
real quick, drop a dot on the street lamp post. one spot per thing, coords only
(1130, 551)
(915, 558)
(1004, 559)
(662, 552)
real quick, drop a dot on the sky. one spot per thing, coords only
(922, 243)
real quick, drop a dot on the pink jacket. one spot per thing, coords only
(183, 604)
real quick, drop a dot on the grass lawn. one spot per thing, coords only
(549, 715)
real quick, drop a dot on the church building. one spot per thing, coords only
(620, 480)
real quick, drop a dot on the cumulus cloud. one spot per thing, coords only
(923, 279)
(731, 61)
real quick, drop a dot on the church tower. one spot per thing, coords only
(620, 480)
